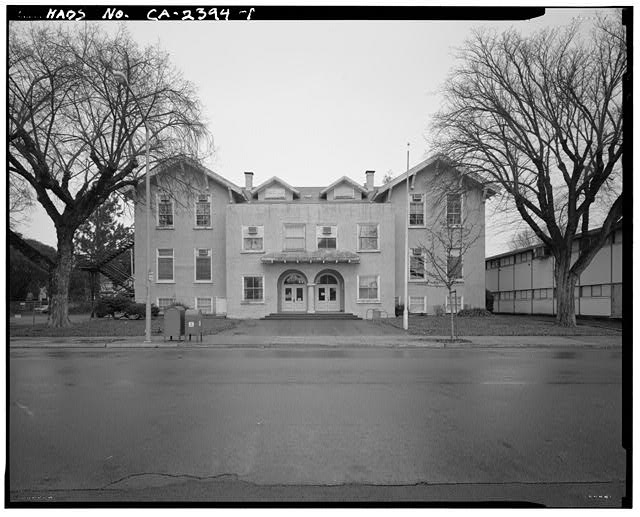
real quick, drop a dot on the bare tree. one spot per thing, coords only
(524, 239)
(541, 117)
(20, 202)
(76, 136)
(451, 234)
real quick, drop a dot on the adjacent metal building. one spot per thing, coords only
(522, 281)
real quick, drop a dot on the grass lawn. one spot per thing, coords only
(84, 326)
(504, 325)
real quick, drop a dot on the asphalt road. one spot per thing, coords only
(538, 425)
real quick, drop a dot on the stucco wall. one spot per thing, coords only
(472, 288)
(184, 238)
(273, 216)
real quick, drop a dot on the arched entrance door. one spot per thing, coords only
(294, 298)
(327, 294)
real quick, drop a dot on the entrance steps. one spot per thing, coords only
(314, 316)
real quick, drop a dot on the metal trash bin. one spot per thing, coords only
(193, 323)
(174, 322)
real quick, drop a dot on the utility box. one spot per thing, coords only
(174, 322)
(376, 314)
(193, 323)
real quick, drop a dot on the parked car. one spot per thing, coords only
(44, 309)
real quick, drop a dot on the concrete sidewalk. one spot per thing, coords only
(393, 341)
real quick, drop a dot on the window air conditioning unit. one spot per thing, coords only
(416, 198)
(253, 230)
(417, 252)
(203, 198)
(326, 230)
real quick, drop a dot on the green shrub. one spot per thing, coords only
(439, 310)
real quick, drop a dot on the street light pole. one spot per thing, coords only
(405, 312)
(122, 79)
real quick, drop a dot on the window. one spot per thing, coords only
(540, 294)
(343, 192)
(294, 237)
(253, 288)
(454, 301)
(416, 264)
(205, 305)
(368, 288)
(253, 238)
(454, 264)
(523, 295)
(165, 211)
(165, 265)
(416, 304)
(274, 193)
(454, 209)
(163, 303)
(606, 290)
(203, 211)
(416, 210)
(327, 237)
(596, 290)
(203, 265)
(368, 237)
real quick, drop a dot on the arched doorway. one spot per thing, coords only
(328, 293)
(293, 294)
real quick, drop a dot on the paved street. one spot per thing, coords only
(535, 424)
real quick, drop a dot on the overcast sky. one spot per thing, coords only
(312, 101)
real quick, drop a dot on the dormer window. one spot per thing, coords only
(274, 193)
(344, 192)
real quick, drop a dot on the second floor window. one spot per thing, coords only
(327, 237)
(203, 265)
(454, 209)
(416, 210)
(253, 238)
(368, 237)
(203, 211)
(165, 211)
(294, 237)
(416, 264)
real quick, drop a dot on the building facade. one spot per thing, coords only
(522, 281)
(247, 252)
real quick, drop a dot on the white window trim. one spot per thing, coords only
(377, 250)
(195, 214)
(459, 225)
(252, 302)
(372, 300)
(195, 257)
(195, 304)
(173, 301)
(173, 213)
(424, 211)
(447, 309)
(242, 236)
(320, 236)
(284, 237)
(173, 266)
(424, 305)
(424, 265)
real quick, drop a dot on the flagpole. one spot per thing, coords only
(405, 312)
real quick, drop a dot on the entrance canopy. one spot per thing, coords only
(311, 257)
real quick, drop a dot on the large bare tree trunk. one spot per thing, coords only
(565, 286)
(60, 279)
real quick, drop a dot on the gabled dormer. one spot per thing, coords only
(273, 190)
(344, 189)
